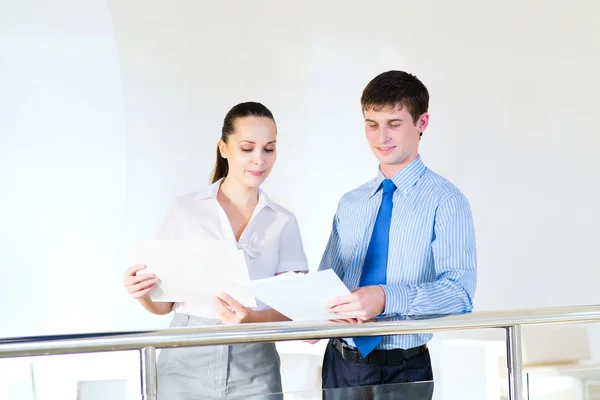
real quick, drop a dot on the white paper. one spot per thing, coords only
(300, 297)
(195, 271)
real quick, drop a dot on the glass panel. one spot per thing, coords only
(400, 391)
(16, 379)
(566, 382)
(114, 375)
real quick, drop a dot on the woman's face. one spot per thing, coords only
(250, 150)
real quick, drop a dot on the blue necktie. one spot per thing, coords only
(375, 265)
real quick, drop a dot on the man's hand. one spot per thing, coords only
(363, 303)
(231, 311)
(347, 321)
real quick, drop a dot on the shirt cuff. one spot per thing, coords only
(397, 299)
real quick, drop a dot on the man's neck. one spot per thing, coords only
(390, 170)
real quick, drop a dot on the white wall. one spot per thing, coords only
(513, 96)
(62, 162)
(108, 110)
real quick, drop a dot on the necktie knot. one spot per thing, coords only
(388, 186)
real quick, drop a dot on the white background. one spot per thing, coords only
(109, 110)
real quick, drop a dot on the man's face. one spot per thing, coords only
(394, 137)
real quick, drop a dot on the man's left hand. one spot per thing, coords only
(363, 303)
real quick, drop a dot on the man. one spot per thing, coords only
(404, 243)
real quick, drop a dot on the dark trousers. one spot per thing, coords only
(346, 380)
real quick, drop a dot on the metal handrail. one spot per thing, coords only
(285, 331)
(148, 341)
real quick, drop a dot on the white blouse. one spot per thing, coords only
(271, 241)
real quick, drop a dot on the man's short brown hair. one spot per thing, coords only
(396, 88)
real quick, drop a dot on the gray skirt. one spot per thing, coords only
(242, 371)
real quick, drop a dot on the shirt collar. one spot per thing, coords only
(211, 193)
(405, 179)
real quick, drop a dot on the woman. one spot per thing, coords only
(234, 206)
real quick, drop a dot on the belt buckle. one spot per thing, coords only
(356, 356)
(348, 353)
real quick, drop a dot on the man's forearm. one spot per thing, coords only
(440, 297)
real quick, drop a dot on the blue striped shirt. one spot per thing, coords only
(432, 264)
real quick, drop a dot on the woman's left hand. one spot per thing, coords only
(231, 311)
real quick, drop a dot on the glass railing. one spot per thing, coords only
(563, 382)
(399, 391)
(65, 388)
(114, 375)
(137, 353)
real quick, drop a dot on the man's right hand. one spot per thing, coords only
(347, 321)
(138, 285)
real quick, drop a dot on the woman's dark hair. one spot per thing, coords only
(242, 110)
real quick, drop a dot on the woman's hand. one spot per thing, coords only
(138, 285)
(231, 311)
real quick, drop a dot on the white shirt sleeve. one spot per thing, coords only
(291, 250)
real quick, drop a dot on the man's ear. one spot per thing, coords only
(422, 123)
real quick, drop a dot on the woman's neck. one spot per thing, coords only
(237, 194)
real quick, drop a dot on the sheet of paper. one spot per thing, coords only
(195, 271)
(300, 297)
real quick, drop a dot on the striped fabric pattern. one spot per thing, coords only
(432, 266)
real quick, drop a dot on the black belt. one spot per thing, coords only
(389, 357)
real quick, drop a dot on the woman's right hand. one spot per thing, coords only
(138, 285)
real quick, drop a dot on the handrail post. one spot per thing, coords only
(514, 363)
(148, 376)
